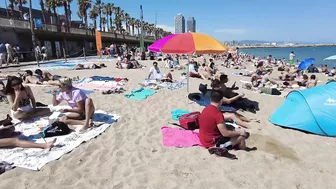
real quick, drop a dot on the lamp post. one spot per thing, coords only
(32, 31)
(141, 35)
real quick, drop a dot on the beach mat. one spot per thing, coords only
(58, 92)
(165, 85)
(35, 159)
(140, 94)
(175, 137)
(204, 100)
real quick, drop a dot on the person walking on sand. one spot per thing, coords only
(82, 107)
(291, 58)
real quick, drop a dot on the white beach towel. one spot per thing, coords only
(35, 159)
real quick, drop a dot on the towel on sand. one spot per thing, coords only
(175, 137)
(204, 100)
(177, 113)
(35, 159)
(58, 92)
(140, 94)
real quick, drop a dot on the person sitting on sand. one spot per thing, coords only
(286, 75)
(22, 100)
(193, 71)
(154, 72)
(46, 76)
(239, 119)
(91, 66)
(304, 81)
(213, 131)
(312, 82)
(266, 80)
(82, 107)
(8, 139)
(227, 91)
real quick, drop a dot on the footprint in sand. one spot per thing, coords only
(273, 146)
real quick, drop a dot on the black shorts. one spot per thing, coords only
(220, 142)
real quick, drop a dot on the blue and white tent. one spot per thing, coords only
(312, 110)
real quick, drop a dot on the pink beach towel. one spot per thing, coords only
(179, 138)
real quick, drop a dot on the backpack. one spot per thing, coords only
(58, 128)
(189, 121)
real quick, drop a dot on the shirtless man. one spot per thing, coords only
(36, 79)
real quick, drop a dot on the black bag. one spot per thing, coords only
(203, 88)
(58, 128)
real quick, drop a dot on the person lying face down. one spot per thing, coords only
(82, 107)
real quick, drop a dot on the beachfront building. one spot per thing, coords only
(179, 24)
(191, 24)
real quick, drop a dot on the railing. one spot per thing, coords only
(25, 24)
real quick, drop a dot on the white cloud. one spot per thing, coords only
(231, 31)
(166, 28)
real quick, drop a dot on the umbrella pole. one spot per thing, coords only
(188, 74)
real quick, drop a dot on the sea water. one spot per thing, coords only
(301, 53)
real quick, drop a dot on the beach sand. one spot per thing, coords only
(130, 154)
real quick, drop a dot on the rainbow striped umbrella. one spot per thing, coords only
(188, 43)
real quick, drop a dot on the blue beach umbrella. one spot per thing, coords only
(306, 63)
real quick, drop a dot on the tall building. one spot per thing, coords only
(191, 24)
(179, 24)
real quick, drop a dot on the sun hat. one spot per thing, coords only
(65, 81)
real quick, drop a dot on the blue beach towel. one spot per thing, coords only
(204, 100)
(140, 94)
(102, 78)
(177, 113)
(58, 92)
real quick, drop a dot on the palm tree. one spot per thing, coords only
(132, 23)
(83, 6)
(111, 6)
(126, 19)
(32, 30)
(117, 17)
(43, 10)
(103, 20)
(53, 4)
(11, 5)
(138, 25)
(106, 11)
(99, 6)
(94, 13)
(64, 3)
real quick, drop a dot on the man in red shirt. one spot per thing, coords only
(213, 132)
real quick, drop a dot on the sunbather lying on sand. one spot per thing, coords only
(265, 90)
(36, 79)
(82, 107)
(46, 76)
(91, 66)
(8, 138)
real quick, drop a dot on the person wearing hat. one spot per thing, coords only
(82, 107)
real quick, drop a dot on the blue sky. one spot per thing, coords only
(271, 20)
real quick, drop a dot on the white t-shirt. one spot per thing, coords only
(155, 74)
(291, 56)
(8, 48)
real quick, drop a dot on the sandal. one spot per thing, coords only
(222, 152)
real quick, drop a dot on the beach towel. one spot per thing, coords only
(89, 84)
(175, 137)
(177, 113)
(102, 78)
(140, 94)
(35, 159)
(38, 85)
(204, 100)
(58, 92)
(173, 86)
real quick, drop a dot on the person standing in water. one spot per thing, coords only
(291, 58)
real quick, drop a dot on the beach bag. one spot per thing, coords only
(58, 128)
(203, 88)
(190, 121)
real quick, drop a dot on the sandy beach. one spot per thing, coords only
(130, 153)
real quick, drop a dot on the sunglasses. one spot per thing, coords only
(15, 84)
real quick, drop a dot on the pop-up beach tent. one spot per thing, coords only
(312, 110)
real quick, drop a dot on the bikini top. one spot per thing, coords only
(24, 102)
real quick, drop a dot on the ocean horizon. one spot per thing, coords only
(301, 53)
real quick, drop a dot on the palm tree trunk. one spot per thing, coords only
(86, 19)
(66, 15)
(107, 22)
(69, 15)
(95, 23)
(32, 30)
(12, 8)
(43, 11)
(100, 21)
(21, 13)
(133, 30)
(55, 14)
(111, 21)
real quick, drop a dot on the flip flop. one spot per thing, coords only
(222, 152)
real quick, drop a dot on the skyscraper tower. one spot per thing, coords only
(191, 24)
(179, 23)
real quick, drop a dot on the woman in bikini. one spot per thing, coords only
(22, 100)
